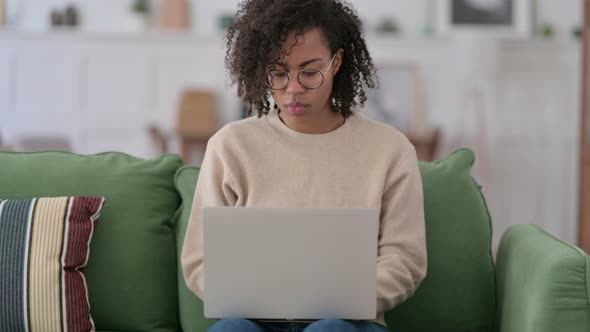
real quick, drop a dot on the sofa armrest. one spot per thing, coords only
(543, 283)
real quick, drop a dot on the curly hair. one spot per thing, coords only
(257, 37)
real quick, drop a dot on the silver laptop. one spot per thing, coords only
(290, 263)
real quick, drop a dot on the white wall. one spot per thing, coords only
(527, 164)
(102, 92)
(108, 15)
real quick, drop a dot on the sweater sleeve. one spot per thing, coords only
(214, 188)
(401, 263)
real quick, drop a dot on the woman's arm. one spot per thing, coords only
(215, 187)
(401, 264)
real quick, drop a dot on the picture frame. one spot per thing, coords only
(398, 99)
(500, 18)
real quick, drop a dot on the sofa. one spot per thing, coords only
(536, 283)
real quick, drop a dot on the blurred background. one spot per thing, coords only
(146, 77)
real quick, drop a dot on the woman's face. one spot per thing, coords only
(296, 101)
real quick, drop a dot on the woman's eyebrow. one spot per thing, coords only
(301, 65)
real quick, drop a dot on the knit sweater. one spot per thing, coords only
(260, 162)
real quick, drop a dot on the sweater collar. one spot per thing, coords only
(284, 131)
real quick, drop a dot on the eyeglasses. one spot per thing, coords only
(308, 78)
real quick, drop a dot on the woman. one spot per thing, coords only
(311, 148)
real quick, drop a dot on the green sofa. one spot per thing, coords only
(537, 284)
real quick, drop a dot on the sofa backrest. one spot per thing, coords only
(131, 272)
(458, 293)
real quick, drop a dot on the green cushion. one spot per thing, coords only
(190, 306)
(131, 272)
(458, 293)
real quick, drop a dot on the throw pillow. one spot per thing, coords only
(44, 244)
(459, 291)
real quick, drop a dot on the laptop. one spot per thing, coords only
(290, 264)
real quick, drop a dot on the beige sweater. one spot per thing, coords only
(260, 162)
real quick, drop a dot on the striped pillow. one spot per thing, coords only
(44, 242)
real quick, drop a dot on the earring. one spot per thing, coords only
(275, 106)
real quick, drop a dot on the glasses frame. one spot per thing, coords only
(322, 72)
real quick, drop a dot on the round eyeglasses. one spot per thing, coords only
(308, 78)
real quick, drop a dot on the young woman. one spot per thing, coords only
(309, 147)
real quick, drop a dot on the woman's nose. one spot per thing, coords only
(294, 86)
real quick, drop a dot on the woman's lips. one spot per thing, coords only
(296, 108)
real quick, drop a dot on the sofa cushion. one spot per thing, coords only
(43, 244)
(458, 293)
(131, 272)
(190, 306)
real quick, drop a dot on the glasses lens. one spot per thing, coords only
(277, 79)
(311, 78)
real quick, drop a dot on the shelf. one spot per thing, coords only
(85, 36)
(373, 39)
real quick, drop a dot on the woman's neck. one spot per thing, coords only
(327, 122)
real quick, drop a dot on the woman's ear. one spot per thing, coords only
(338, 60)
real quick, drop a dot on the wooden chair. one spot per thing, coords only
(196, 122)
(426, 146)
